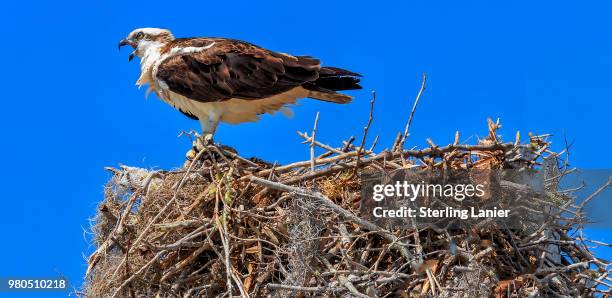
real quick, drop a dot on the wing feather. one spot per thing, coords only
(234, 69)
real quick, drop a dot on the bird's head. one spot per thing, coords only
(144, 38)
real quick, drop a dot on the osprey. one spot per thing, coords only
(226, 80)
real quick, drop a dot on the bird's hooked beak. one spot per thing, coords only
(128, 42)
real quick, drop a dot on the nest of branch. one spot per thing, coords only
(227, 225)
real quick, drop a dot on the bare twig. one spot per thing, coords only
(312, 143)
(414, 106)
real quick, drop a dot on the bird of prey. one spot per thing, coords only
(226, 80)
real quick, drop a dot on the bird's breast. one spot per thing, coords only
(234, 110)
(149, 60)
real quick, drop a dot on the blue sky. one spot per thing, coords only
(70, 106)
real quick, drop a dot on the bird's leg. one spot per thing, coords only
(209, 126)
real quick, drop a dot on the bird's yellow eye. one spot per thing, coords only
(139, 35)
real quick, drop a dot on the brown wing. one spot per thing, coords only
(234, 69)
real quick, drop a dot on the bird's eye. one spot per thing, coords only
(139, 35)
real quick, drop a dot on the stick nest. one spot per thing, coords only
(225, 225)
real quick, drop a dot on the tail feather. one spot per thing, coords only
(330, 97)
(335, 71)
(332, 79)
(337, 83)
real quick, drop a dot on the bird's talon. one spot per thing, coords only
(201, 142)
(207, 139)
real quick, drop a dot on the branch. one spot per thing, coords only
(416, 102)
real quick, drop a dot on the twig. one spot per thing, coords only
(365, 131)
(416, 102)
(312, 143)
(304, 289)
(138, 273)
